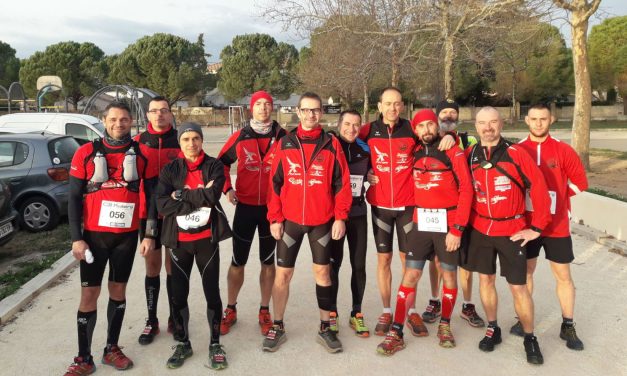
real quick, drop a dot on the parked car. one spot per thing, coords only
(83, 128)
(8, 215)
(36, 168)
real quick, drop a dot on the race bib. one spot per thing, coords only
(432, 220)
(357, 182)
(116, 214)
(196, 219)
(552, 195)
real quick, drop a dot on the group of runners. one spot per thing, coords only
(453, 200)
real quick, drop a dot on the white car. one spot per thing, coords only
(83, 128)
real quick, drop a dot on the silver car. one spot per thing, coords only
(36, 168)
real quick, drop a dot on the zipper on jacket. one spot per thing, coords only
(259, 180)
(302, 157)
(539, 150)
(487, 201)
(391, 168)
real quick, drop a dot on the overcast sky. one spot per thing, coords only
(114, 24)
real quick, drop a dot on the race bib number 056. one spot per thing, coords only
(432, 220)
(116, 214)
(195, 219)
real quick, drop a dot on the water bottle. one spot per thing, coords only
(100, 169)
(129, 166)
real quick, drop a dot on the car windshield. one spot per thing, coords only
(99, 126)
(62, 149)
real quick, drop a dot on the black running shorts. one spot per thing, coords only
(319, 241)
(558, 250)
(247, 219)
(116, 249)
(383, 222)
(482, 252)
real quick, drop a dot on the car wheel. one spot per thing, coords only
(38, 214)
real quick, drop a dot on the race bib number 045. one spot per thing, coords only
(196, 219)
(116, 214)
(432, 220)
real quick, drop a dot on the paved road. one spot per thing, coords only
(42, 339)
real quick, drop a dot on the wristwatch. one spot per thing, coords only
(460, 228)
(178, 194)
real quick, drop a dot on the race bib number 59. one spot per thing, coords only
(116, 214)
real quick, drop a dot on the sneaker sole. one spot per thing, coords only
(417, 334)
(118, 368)
(430, 320)
(364, 334)
(473, 324)
(326, 347)
(535, 360)
(219, 367)
(174, 366)
(381, 332)
(381, 351)
(276, 347)
(226, 329)
(447, 344)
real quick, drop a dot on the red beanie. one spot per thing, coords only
(260, 95)
(423, 115)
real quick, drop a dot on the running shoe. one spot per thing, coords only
(445, 335)
(417, 327)
(80, 367)
(217, 357)
(357, 324)
(333, 322)
(151, 329)
(229, 318)
(492, 338)
(534, 356)
(517, 329)
(470, 314)
(328, 339)
(392, 343)
(383, 324)
(274, 339)
(182, 351)
(115, 357)
(265, 321)
(432, 312)
(568, 333)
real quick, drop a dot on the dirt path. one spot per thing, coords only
(609, 174)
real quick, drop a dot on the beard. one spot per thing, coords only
(447, 125)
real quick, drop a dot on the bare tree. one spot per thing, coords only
(580, 12)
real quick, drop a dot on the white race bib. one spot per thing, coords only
(529, 205)
(357, 182)
(196, 219)
(116, 214)
(432, 220)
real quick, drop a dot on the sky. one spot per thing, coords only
(114, 24)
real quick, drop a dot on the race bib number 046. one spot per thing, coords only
(432, 220)
(196, 219)
(116, 214)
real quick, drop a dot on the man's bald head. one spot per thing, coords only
(489, 124)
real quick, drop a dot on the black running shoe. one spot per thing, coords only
(328, 339)
(568, 334)
(491, 339)
(151, 329)
(534, 356)
(517, 330)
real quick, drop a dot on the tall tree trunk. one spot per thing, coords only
(583, 91)
(366, 118)
(449, 55)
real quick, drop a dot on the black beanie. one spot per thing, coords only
(448, 103)
(187, 127)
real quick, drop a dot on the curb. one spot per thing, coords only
(10, 305)
(615, 246)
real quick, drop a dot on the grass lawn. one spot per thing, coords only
(44, 247)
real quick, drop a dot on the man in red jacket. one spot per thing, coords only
(252, 148)
(159, 143)
(391, 141)
(565, 177)
(442, 195)
(309, 193)
(502, 173)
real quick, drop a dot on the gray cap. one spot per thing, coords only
(189, 127)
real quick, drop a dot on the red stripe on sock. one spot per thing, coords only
(404, 298)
